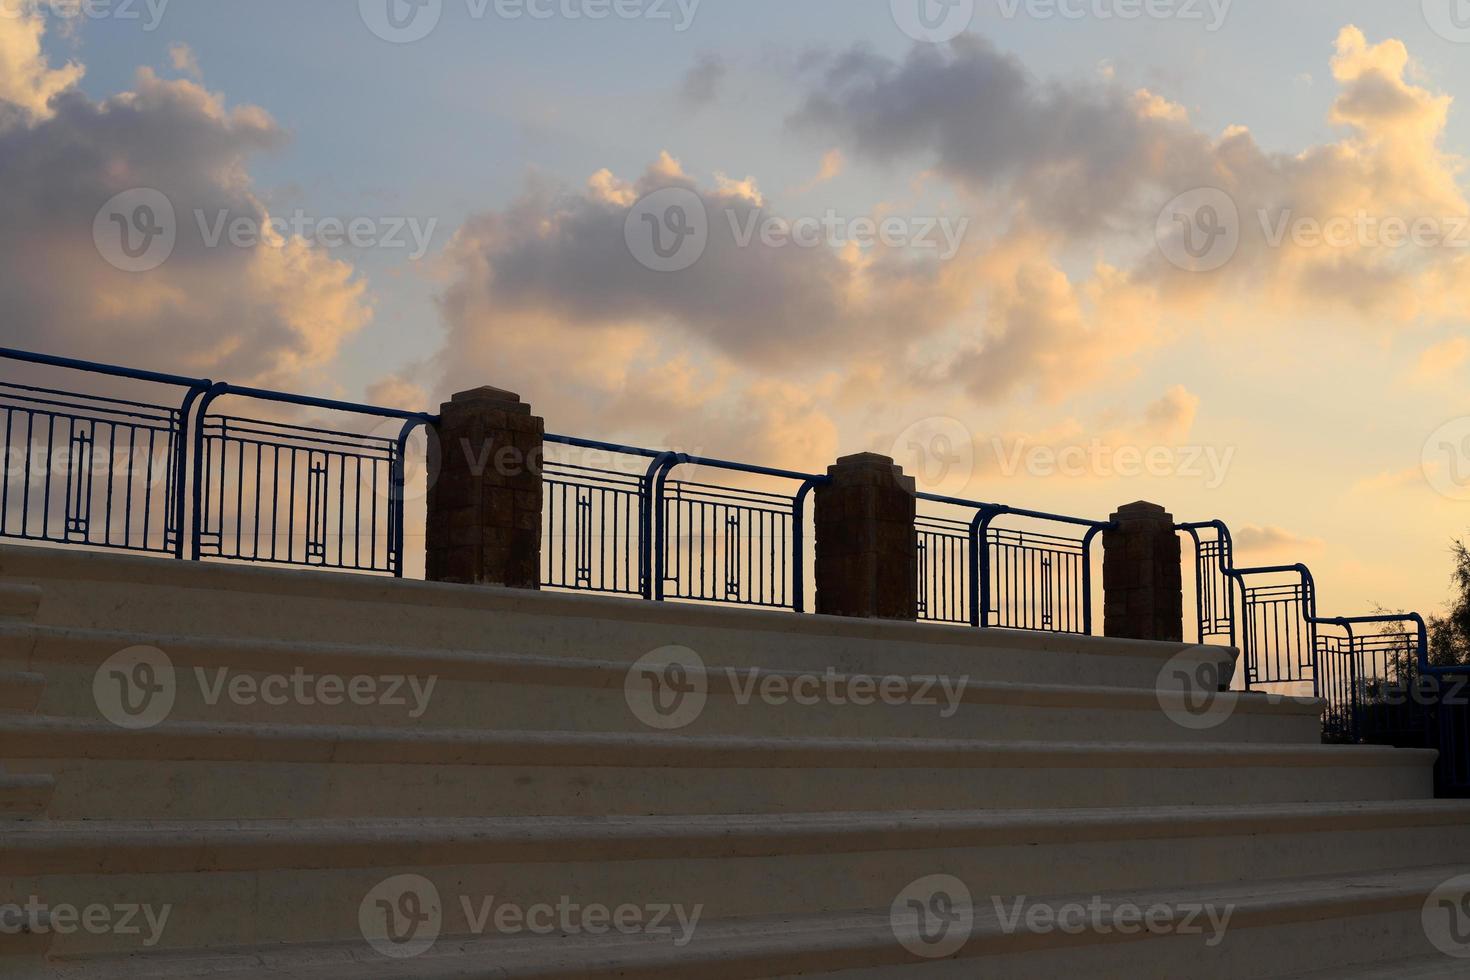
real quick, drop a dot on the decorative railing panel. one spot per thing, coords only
(289, 494)
(592, 520)
(89, 470)
(621, 520)
(1279, 631)
(1038, 582)
(945, 569)
(285, 492)
(1004, 567)
(728, 544)
(1371, 684)
(1215, 590)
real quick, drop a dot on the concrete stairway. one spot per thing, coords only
(294, 774)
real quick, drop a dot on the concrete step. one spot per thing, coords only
(286, 682)
(25, 796)
(192, 771)
(20, 691)
(1438, 967)
(19, 600)
(303, 881)
(157, 596)
(1333, 923)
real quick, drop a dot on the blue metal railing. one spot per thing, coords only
(282, 493)
(1277, 625)
(635, 529)
(1373, 672)
(625, 524)
(977, 572)
(140, 475)
(91, 469)
(259, 484)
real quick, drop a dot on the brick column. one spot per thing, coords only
(485, 507)
(866, 549)
(1143, 591)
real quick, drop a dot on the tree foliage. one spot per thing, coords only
(1449, 635)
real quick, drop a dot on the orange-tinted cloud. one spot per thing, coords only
(257, 312)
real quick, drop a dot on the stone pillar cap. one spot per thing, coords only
(485, 394)
(1142, 510)
(865, 459)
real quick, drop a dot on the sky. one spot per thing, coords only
(1208, 253)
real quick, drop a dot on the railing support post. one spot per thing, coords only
(484, 523)
(867, 558)
(1143, 593)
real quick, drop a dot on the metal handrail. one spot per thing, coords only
(1309, 598)
(195, 388)
(398, 474)
(980, 578)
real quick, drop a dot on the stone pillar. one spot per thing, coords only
(485, 506)
(1143, 593)
(866, 548)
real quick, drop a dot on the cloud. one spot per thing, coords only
(703, 80)
(563, 256)
(183, 59)
(251, 314)
(1093, 165)
(400, 391)
(833, 164)
(27, 81)
(1071, 155)
(1439, 361)
(1414, 476)
(1273, 541)
(1172, 416)
(1046, 333)
(1060, 289)
(1163, 424)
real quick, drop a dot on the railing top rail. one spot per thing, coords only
(1004, 510)
(672, 459)
(136, 374)
(684, 459)
(609, 447)
(307, 401)
(1412, 617)
(1310, 614)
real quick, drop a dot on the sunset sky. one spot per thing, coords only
(1311, 392)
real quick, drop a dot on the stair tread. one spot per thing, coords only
(808, 943)
(160, 846)
(1418, 968)
(58, 563)
(492, 665)
(20, 690)
(47, 737)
